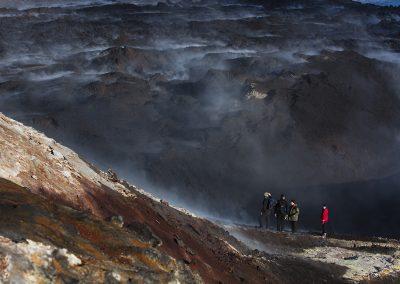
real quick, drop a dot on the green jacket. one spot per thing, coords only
(294, 212)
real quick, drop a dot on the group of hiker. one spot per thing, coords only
(286, 212)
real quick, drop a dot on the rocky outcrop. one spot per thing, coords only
(42, 241)
(366, 260)
(32, 160)
(64, 220)
(209, 99)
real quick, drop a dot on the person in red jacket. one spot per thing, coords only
(324, 219)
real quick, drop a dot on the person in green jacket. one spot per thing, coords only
(293, 215)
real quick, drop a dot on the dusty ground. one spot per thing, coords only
(88, 225)
(364, 259)
(213, 98)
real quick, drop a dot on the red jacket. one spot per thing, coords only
(325, 216)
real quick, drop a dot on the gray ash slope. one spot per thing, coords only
(213, 102)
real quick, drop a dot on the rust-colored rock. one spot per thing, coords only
(73, 223)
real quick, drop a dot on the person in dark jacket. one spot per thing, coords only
(293, 215)
(324, 219)
(267, 207)
(281, 211)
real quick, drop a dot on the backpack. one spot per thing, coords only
(271, 203)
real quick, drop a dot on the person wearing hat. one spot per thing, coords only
(267, 207)
(293, 215)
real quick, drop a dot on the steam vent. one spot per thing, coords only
(200, 141)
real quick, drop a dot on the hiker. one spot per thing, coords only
(267, 206)
(281, 210)
(324, 219)
(293, 216)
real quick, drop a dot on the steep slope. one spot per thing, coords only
(61, 219)
(210, 98)
(36, 232)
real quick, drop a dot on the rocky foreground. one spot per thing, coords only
(363, 259)
(62, 220)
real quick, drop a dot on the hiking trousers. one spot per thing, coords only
(280, 223)
(293, 225)
(323, 228)
(264, 219)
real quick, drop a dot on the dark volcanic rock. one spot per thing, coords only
(57, 227)
(208, 99)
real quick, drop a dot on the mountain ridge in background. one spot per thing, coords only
(210, 103)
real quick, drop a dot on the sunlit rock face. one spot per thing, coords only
(90, 226)
(43, 241)
(211, 102)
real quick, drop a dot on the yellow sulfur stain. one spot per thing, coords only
(46, 222)
(91, 250)
(57, 266)
(150, 262)
(37, 260)
(139, 244)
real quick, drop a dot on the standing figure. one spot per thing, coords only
(267, 206)
(324, 219)
(293, 217)
(281, 210)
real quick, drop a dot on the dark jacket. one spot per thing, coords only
(294, 212)
(281, 208)
(268, 204)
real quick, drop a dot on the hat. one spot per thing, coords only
(266, 194)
